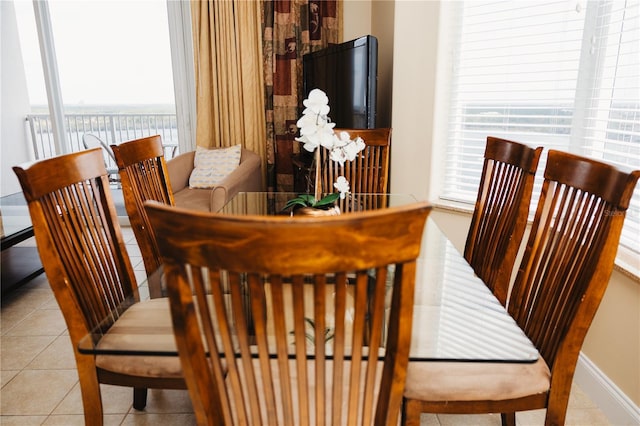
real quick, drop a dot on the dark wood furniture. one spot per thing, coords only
(86, 262)
(561, 280)
(19, 264)
(501, 212)
(285, 362)
(144, 176)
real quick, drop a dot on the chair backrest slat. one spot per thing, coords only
(501, 211)
(309, 332)
(570, 252)
(368, 173)
(78, 237)
(144, 176)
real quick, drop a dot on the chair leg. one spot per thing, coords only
(92, 406)
(411, 413)
(139, 398)
(90, 390)
(508, 419)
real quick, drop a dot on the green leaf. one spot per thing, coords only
(308, 198)
(294, 202)
(329, 199)
(301, 200)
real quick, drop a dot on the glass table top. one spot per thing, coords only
(456, 317)
(273, 203)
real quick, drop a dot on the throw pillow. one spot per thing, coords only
(211, 166)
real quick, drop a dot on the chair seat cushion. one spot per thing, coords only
(166, 367)
(145, 324)
(472, 381)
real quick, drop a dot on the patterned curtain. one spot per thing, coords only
(291, 28)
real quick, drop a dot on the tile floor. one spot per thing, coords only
(40, 384)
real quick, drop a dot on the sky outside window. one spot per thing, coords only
(108, 52)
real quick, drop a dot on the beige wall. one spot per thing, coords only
(613, 341)
(382, 28)
(357, 19)
(15, 102)
(420, 66)
(375, 18)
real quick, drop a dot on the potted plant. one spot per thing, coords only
(316, 132)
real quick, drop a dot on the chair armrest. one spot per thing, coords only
(179, 169)
(246, 177)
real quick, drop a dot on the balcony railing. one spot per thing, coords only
(111, 128)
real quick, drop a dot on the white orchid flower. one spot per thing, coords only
(337, 155)
(316, 135)
(307, 123)
(359, 142)
(317, 102)
(309, 144)
(336, 151)
(345, 149)
(352, 149)
(326, 135)
(343, 139)
(315, 127)
(342, 185)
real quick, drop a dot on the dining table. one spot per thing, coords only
(455, 315)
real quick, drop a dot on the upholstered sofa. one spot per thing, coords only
(246, 177)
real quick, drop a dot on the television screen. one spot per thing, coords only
(348, 74)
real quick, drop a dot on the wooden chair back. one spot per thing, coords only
(81, 247)
(144, 176)
(78, 236)
(567, 263)
(368, 173)
(299, 344)
(501, 212)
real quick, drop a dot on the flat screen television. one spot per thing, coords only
(348, 74)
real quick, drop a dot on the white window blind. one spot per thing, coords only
(611, 125)
(558, 74)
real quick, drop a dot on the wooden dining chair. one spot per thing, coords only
(561, 280)
(367, 174)
(84, 257)
(501, 212)
(144, 176)
(300, 345)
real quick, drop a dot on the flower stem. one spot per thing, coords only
(317, 184)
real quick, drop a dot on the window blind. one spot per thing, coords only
(611, 125)
(558, 74)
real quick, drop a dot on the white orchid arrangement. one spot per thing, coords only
(316, 130)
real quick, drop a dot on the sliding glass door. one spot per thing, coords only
(107, 68)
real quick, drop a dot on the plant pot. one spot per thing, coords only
(314, 212)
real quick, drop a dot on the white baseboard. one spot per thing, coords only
(617, 406)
